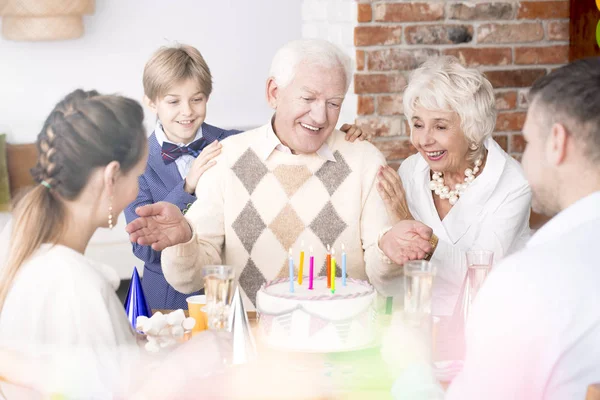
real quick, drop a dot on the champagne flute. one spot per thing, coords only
(218, 288)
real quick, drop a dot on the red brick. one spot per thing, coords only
(379, 83)
(365, 13)
(398, 149)
(502, 140)
(476, 56)
(485, 11)
(510, 33)
(438, 34)
(366, 105)
(542, 55)
(360, 60)
(544, 9)
(523, 100)
(514, 78)
(377, 35)
(395, 12)
(512, 121)
(394, 165)
(390, 105)
(398, 59)
(517, 143)
(379, 126)
(557, 30)
(506, 100)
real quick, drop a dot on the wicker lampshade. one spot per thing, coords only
(33, 20)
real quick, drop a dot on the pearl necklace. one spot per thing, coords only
(436, 184)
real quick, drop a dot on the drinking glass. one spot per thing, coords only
(418, 281)
(479, 265)
(218, 288)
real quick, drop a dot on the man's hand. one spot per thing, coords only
(392, 192)
(353, 132)
(203, 162)
(407, 240)
(160, 225)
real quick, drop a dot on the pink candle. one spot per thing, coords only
(311, 269)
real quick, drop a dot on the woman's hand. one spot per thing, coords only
(392, 192)
(353, 132)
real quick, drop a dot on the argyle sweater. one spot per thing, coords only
(250, 211)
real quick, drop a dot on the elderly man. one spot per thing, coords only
(534, 331)
(294, 180)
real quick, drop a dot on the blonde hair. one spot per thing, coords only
(84, 131)
(442, 83)
(310, 51)
(170, 65)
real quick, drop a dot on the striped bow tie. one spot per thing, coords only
(171, 152)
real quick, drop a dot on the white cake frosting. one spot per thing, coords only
(317, 320)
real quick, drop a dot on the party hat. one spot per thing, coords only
(135, 303)
(244, 348)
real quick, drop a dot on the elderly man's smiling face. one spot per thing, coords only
(308, 108)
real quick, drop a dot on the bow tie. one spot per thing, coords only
(171, 152)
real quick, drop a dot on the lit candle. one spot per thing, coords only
(291, 261)
(328, 267)
(332, 270)
(343, 266)
(311, 271)
(301, 266)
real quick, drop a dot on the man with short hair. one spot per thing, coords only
(534, 330)
(294, 180)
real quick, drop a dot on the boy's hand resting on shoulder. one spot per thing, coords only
(203, 162)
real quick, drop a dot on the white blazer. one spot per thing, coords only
(492, 214)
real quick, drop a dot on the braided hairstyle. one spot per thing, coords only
(83, 132)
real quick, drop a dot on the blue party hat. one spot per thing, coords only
(135, 303)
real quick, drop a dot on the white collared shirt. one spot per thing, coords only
(184, 162)
(271, 142)
(534, 330)
(492, 214)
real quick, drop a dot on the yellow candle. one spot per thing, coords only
(332, 270)
(301, 267)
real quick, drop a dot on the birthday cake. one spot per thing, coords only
(317, 320)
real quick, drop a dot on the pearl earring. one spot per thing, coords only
(110, 214)
(473, 146)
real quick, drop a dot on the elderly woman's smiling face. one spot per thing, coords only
(437, 135)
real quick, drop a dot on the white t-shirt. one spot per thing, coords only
(63, 308)
(534, 330)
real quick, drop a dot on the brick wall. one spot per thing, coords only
(512, 42)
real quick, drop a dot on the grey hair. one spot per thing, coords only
(310, 51)
(442, 83)
(570, 95)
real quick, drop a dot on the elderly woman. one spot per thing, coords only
(461, 183)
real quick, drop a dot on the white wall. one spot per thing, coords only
(238, 38)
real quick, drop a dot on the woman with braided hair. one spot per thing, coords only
(54, 300)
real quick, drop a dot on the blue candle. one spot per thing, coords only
(291, 261)
(343, 266)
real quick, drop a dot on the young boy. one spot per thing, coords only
(177, 85)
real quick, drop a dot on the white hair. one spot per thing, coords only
(310, 51)
(442, 83)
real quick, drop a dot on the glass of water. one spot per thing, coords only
(218, 288)
(418, 281)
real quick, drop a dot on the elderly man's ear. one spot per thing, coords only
(272, 92)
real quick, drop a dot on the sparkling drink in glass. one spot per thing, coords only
(479, 265)
(418, 281)
(218, 288)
